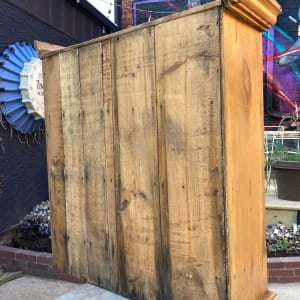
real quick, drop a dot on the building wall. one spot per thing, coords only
(281, 66)
(127, 13)
(23, 169)
(66, 16)
(157, 8)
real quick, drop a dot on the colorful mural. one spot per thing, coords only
(281, 48)
(150, 10)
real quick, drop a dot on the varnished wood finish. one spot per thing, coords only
(244, 160)
(259, 13)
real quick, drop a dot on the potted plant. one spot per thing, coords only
(285, 162)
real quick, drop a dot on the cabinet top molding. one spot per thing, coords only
(261, 14)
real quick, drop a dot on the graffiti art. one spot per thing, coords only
(281, 49)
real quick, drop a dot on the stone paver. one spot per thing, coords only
(90, 292)
(286, 291)
(31, 287)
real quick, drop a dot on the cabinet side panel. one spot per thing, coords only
(244, 159)
(190, 154)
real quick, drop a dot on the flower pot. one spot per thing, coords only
(287, 174)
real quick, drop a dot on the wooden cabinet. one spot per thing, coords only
(155, 155)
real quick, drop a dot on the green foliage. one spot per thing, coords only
(278, 247)
(282, 151)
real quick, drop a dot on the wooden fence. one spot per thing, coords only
(155, 158)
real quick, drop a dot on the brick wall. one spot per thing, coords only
(284, 269)
(127, 20)
(32, 263)
(280, 269)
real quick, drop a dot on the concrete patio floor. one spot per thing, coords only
(31, 287)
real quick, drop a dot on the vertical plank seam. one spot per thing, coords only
(117, 179)
(222, 125)
(164, 255)
(63, 174)
(83, 179)
(112, 263)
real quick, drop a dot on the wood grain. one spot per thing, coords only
(55, 161)
(188, 85)
(93, 144)
(74, 163)
(110, 142)
(160, 137)
(136, 164)
(244, 159)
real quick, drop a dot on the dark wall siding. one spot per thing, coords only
(23, 176)
(17, 25)
(23, 168)
(64, 15)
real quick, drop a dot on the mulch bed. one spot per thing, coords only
(34, 231)
(282, 240)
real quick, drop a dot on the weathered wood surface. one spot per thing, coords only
(55, 162)
(75, 192)
(244, 161)
(137, 173)
(43, 47)
(188, 73)
(110, 165)
(154, 133)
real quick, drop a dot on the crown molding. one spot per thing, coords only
(261, 14)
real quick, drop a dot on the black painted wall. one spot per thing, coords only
(23, 168)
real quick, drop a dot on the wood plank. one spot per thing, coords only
(188, 84)
(97, 203)
(118, 34)
(137, 196)
(244, 159)
(74, 163)
(55, 161)
(43, 47)
(110, 191)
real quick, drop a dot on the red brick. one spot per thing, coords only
(275, 265)
(8, 261)
(273, 279)
(295, 264)
(297, 272)
(26, 255)
(44, 258)
(282, 272)
(32, 265)
(286, 279)
(9, 268)
(21, 264)
(284, 262)
(8, 252)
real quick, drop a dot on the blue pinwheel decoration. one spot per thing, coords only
(21, 88)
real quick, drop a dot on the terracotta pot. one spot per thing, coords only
(287, 174)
